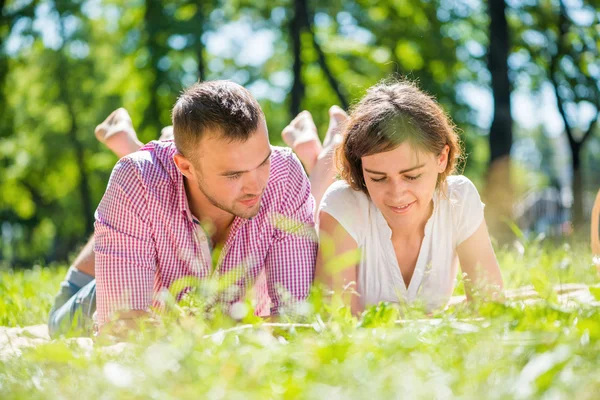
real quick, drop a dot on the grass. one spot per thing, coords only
(548, 349)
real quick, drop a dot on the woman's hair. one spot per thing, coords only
(391, 113)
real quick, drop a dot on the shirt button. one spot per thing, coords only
(203, 238)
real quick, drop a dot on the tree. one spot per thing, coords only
(574, 82)
(499, 189)
(564, 53)
(297, 26)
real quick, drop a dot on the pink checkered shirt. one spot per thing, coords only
(146, 238)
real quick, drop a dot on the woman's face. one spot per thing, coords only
(401, 183)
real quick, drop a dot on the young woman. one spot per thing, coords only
(399, 205)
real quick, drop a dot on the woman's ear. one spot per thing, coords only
(443, 159)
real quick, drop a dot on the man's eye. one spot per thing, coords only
(413, 178)
(234, 177)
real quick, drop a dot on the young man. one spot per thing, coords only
(219, 184)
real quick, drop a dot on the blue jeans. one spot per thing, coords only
(74, 306)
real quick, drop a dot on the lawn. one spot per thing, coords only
(524, 348)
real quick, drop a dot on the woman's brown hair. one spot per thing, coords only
(390, 113)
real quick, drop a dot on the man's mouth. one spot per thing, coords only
(250, 202)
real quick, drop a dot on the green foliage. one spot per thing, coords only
(519, 349)
(139, 55)
(26, 296)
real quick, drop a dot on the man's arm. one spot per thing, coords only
(124, 248)
(290, 263)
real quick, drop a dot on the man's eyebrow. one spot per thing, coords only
(401, 172)
(228, 173)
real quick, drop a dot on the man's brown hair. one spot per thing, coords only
(390, 113)
(219, 107)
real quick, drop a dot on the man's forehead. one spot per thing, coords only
(218, 153)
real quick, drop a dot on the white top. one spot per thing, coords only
(454, 219)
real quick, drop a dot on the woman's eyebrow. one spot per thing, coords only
(411, 169)
(375, 172)
(401, 172)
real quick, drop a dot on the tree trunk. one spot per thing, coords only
(84, 187)
(199, 46)
(499, 191)
(577, 185)
(152, 22)
(297, 25)
(6, 120)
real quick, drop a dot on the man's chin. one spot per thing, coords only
(248, 213)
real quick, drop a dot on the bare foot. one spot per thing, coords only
(323, 172)
(117, 133)
(333, 137)
(301, 135)
(166, 133)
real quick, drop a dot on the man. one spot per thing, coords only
(169, 205)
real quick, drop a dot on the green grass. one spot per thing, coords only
(549, 349)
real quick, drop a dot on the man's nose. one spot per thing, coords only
(255, 182)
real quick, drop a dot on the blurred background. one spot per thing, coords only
(519, 78)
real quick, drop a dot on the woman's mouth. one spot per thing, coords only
(403, 209)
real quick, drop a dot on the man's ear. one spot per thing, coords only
(184, 166)
(443, 159)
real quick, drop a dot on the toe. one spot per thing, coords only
(337, 113)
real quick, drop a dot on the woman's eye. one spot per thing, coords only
(377, 180)
(413, 178)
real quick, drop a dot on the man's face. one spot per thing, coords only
(233, 175)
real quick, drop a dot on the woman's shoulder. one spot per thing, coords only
(466, 208)
(460, 188)
(342, 191)
(348, 206)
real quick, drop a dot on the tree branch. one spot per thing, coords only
(554, 59)
(333, 82)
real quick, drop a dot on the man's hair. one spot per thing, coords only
(217, 107)
(392, 112)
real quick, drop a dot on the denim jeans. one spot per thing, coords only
(74, 306)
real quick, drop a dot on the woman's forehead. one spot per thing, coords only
(402, 157)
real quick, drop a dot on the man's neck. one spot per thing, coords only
(208, 214)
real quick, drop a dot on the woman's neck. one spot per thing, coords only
(408, 232)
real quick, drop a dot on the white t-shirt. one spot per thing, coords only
(454, 219)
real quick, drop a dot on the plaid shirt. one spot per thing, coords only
(146, 238)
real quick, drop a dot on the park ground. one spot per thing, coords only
(544, 345)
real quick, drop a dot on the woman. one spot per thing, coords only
(399, 207)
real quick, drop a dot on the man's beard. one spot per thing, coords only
(247, 215)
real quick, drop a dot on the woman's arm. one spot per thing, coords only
(337, 260)
(478, 263)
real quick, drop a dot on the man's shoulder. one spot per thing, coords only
(153, 162)
(285, 165)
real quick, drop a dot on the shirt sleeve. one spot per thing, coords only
(341, 202)
(125, 252)
(468, 208)
(290, 262)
